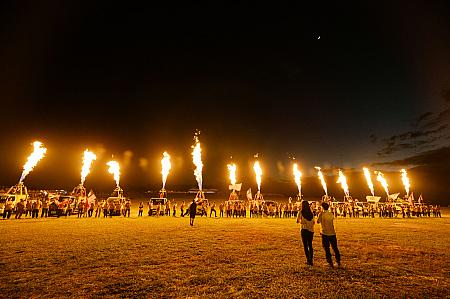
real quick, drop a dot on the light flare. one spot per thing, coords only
(258, 173)
(383, 182)
(232, 173)
(405, 181)
(297, 178)
(369, 180)
(197, 160)
(88, 158)
(343, 181)
(37, 154)
(114, 169)
(165, 168)
(322, 180)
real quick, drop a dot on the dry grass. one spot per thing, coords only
(165, 257)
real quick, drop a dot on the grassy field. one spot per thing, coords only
(165, 257)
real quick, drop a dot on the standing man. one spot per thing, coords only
(20, 209)
(81, 206)
(221, 210)
(213, 209)
(174, 209)
(192, 212)
(29, 208)
(91, 209)
(182, 209)
(127, 208)
(8, 209)
(141, 209)
(44, 208)
(36, 208)
(328, 234)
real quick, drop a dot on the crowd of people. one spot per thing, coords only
(43, 207)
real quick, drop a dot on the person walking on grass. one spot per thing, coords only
(174, 209)
(306, 218)
(182, 209)
(213, 209)
(20, 209)
(8, 209)
(81, 206)
(326, 219)
(141, 209)
(127, 208)
(44, 208)
(192, 212)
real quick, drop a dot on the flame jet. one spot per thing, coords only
(383, 182)
(88, 158)
(233, 187)
(165, 168)
(197, 160)
(369, 180)
(322, 180)
(114, 169)
(232, 173)
(405, 181)
(37, 154)
(258, 174)
(343, 181)
(297, 178)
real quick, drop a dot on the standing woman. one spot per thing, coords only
(306, 218)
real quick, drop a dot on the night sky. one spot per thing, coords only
(334, 84)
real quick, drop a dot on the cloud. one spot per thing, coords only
(446, 94)
(429, 131)
(373, 138)
(418, 120)
(431, 157)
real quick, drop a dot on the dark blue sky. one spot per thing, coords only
(331, 84)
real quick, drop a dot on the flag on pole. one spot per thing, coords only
(236, 187)
(91, 197)
(249, 194)
(411, 199)
(420, 200)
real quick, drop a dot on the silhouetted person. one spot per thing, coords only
(306, 218)
(328, 234)
(192, 212)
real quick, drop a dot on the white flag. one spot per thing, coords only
(393, 196)
(411, 199)
(236, 187)
(91, 197)
(249, 194)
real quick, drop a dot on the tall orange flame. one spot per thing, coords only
(165, 168)
(197, 160)
(405, 181)
(369, 180)
(383, 182)
(37, 154)
(232, 173)
(258, 174)
(114, 169)
(343, 181)
(88, 158)
(322, 180)
(297, 178)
